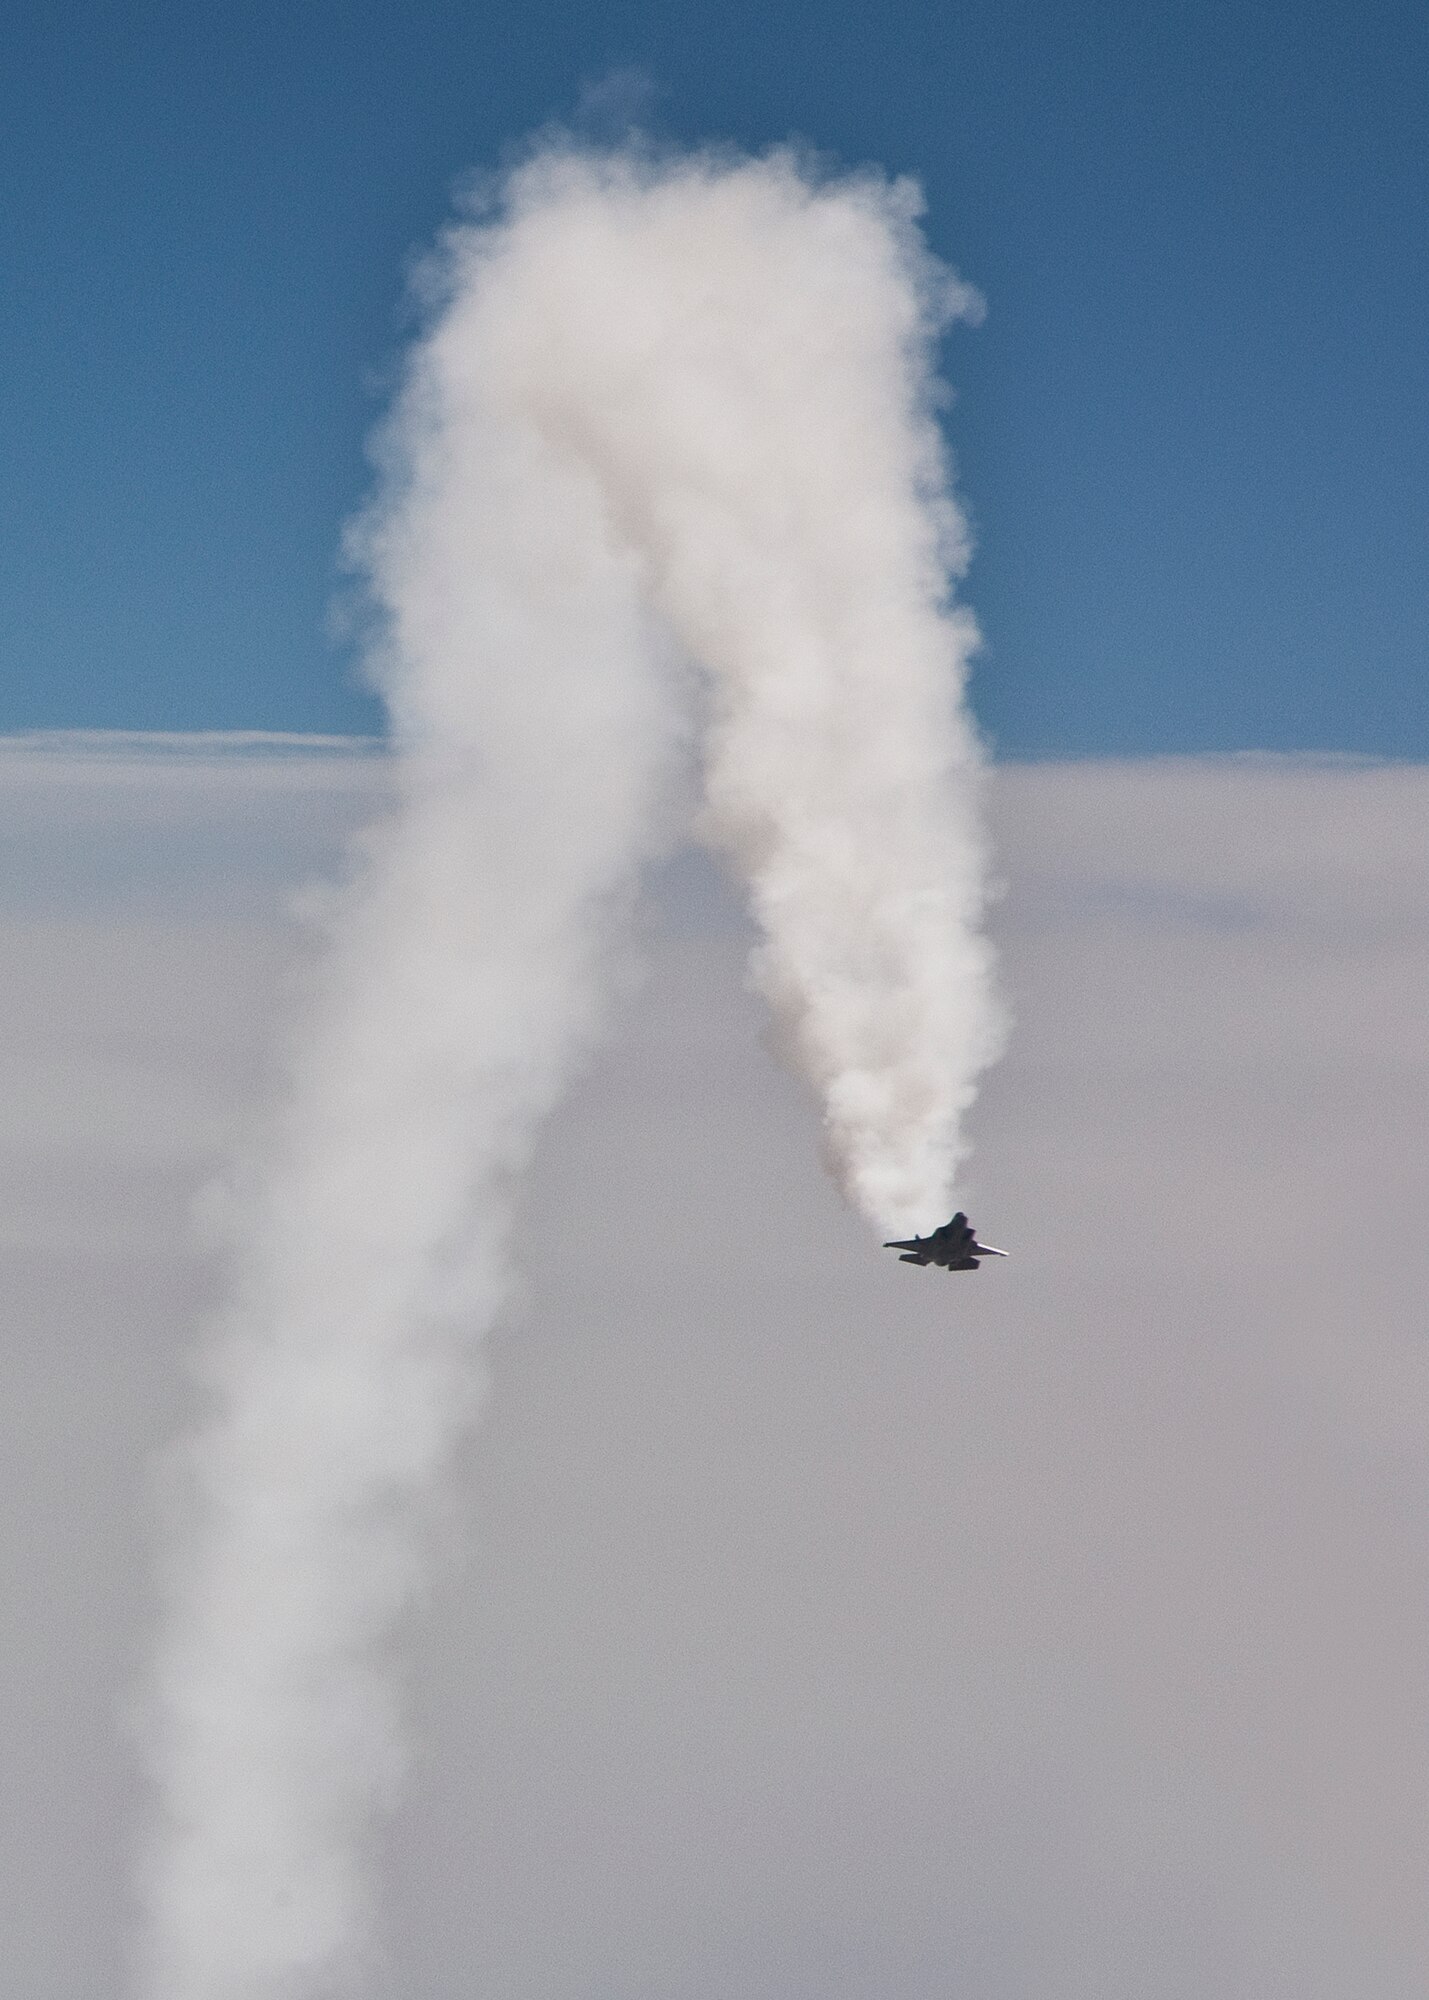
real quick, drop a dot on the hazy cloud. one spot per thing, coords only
(812, 1626)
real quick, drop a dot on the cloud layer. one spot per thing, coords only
(812, 1626)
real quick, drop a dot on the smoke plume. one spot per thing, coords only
(664, 468)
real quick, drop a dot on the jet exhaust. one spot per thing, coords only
(664, 467)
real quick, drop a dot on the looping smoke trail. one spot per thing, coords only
(666, 412)
(742, 357)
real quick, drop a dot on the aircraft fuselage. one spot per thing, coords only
(954, 1247)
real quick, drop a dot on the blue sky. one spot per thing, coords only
(1191, 432)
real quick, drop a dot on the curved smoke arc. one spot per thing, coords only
(666, 411)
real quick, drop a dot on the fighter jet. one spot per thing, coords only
(954, 1246)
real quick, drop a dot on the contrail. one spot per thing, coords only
(665, 462)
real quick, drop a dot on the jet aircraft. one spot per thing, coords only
(954, 1246)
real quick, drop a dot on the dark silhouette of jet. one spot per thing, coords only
(954, 1246)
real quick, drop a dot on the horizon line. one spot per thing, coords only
(100, 744)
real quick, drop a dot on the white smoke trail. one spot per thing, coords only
(742, 359)
(684, 402)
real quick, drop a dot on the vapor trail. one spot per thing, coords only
(667, 416)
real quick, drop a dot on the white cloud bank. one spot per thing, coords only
(817, 1627)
